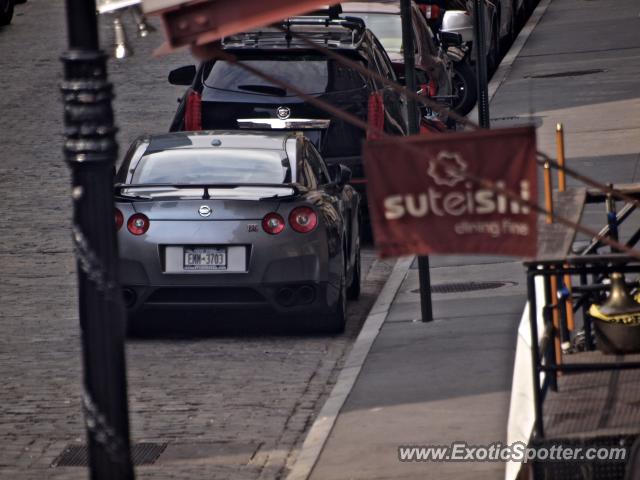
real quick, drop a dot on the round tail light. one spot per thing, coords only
(303, 219)
(272, 223)
(119, 219)
(138, 224)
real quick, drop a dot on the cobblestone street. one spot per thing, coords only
(228, 404)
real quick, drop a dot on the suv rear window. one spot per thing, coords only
(314, 75)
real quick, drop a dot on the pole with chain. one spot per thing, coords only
(90, 150)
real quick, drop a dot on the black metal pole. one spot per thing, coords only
(426, 307)
(409, 64)
(481, 63)
(90, 151)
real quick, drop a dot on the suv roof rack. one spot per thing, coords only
(325, 29)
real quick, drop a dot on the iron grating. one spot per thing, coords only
(574, 73)
(583, 469)
(460, 287)
(77, 455)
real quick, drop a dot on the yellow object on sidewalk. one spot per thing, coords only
(625, 318)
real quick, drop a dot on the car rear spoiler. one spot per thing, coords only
(296, 188)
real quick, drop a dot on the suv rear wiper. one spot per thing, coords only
(266, 89)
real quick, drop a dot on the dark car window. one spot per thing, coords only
(307, 176)
(425, 33)
(317, 164)
(386, 27)
(311, 73)
(383, 60)
(197, 166)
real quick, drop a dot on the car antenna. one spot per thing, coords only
(206, 195)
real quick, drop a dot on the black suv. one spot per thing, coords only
(224, 96)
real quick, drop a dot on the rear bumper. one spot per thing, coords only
(284, 275)
(282, 299)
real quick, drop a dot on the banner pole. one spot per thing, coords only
(424, 276)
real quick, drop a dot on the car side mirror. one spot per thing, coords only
(340, 174)
(450, 39)
(182, 75)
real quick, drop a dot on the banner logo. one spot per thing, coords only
(447, 169)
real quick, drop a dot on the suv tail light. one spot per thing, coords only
(138, 224)
(273, 223)
(375, 115)
(119, 219)
(193, 112)
(303, 219)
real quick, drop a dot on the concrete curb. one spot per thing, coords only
(321, 428)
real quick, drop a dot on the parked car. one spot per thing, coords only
(237, 220)
(465, 89)
(6, 11)
(383, 19)
(223, 96)
(506, 13)
(435, 11)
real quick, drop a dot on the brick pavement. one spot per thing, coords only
(229, 405)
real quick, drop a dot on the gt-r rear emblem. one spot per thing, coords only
(252, 227)
(283, 113)
(204, 211)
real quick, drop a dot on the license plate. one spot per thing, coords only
(205, 259)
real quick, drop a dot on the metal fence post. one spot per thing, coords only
(90, 151)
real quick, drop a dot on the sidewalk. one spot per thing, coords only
(432, 384)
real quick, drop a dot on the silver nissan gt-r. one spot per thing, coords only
(237, 220)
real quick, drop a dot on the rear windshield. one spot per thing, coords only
(314, 75)
(198, 166)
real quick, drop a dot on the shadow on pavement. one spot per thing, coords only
(189, 323)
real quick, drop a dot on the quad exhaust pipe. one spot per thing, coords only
(296, 295)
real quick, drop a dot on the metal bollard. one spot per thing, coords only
(562, 178)
(548, 192)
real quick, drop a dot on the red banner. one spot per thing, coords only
(422, 201)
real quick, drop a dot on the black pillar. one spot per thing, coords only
(481, 63)
(414, 128)
(90, 150)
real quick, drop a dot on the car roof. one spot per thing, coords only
(250, 140)
(371, 7)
